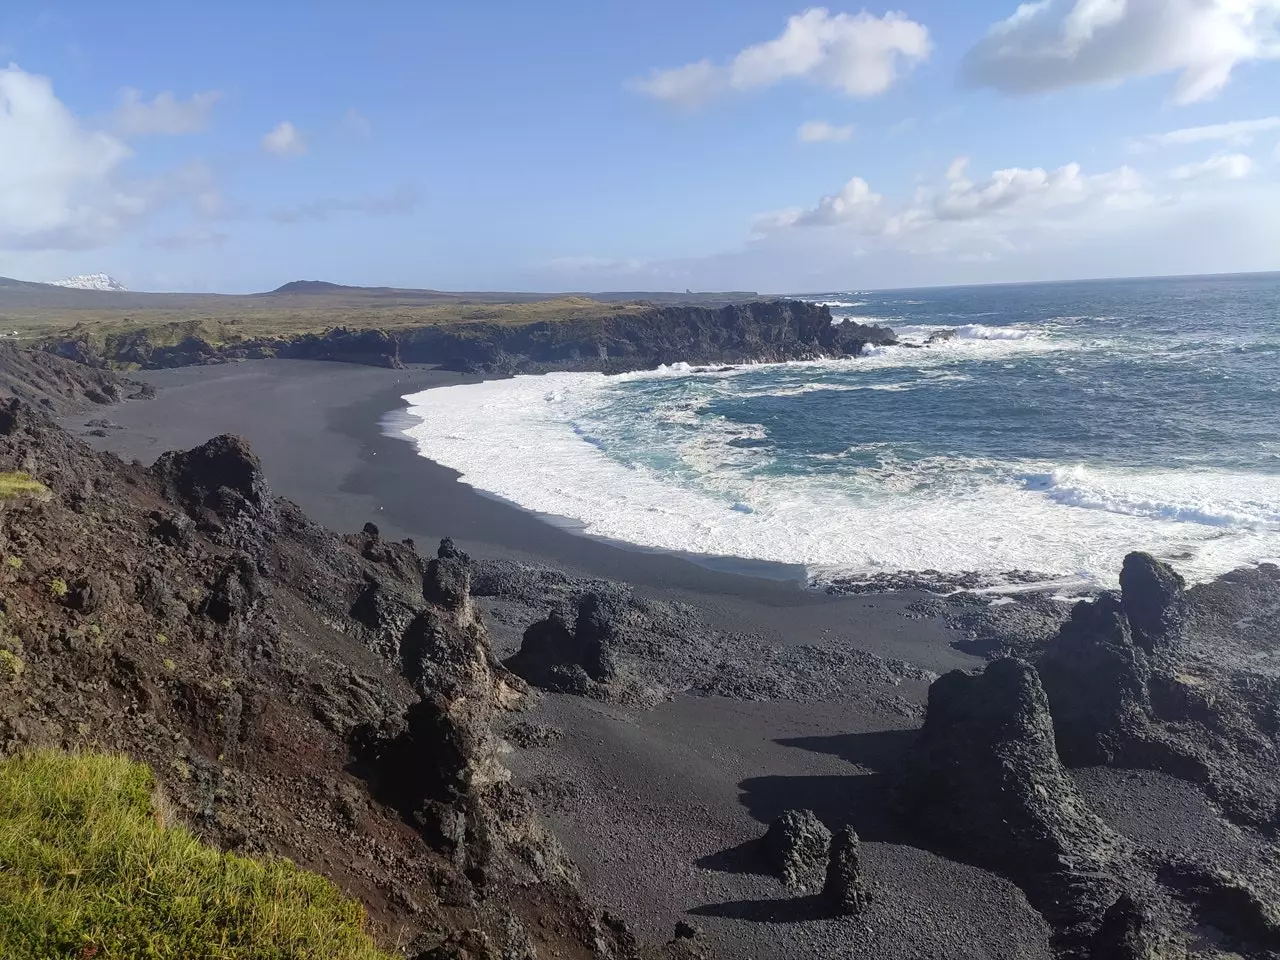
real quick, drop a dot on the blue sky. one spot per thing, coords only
(751, 144)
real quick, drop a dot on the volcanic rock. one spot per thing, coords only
(1154, 600)
(845, 891)
(983, 782)
(797, 846)
(555, 657)
(1096, 679)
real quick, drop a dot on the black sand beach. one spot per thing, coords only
(656, 803)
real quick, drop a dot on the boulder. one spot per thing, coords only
(797, 846)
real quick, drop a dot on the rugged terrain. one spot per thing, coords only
(609, 339)
(331, 699)
(60, 386)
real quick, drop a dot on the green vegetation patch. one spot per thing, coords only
(15, 485)
(88, 869)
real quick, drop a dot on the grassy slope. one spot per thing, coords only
(221, 319)
(89, 869)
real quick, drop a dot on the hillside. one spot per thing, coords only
(331, 699)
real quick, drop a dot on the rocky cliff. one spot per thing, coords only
(58, 385)
(759, 331)
(327, 698)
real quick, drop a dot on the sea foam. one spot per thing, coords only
(543, 444)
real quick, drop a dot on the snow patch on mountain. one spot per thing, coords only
(91, 281)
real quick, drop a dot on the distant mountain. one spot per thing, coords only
(313, 286)
(91, 281)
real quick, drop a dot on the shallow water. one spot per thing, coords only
(1064, 425)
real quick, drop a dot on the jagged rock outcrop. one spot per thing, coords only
(1096, 679)
(220, 484)
(574, 659)
(329, 699)
(1155, 603)
(984, 783)
(845, 891)
(797, 845)
(613, 342)
(1129, 932)
(1145, 680)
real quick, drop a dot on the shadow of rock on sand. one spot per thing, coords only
(789, 910)
(746, 857)
(880, 751)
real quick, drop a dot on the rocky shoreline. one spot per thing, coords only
(753, 332)
(768, 772)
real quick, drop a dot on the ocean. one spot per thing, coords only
(1062, 426)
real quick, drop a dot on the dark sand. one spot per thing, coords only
(654, 805)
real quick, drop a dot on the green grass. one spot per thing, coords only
(233, 319)
(88, 870)
(14, 485)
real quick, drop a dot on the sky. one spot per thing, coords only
(665, 145)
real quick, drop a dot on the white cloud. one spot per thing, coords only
(285, 141)
(820, 131)
(163, 115)
(59, 182)
(1224, 166)
(855, 203)
(1015, 197)
(1036, 189)
(1061, 43)
(859, 55)
(356, 122)
(1237, 133)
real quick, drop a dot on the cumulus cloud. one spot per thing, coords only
(1018, 189)
(165, 114)
(1224, 166)
(855, 203)
(859, 55)
(402, 200)
(1237, 133)
(285, 140)
(60, 184)
(820, 131)
(1053, 44)
(1014, 195)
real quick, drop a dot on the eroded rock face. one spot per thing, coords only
(1158, 678)
(1096, 680)
(572, 660)
(845, 892)
(983, 782)
(1154, 600)
(221, 485)
(1129, 932)
(797, 845)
